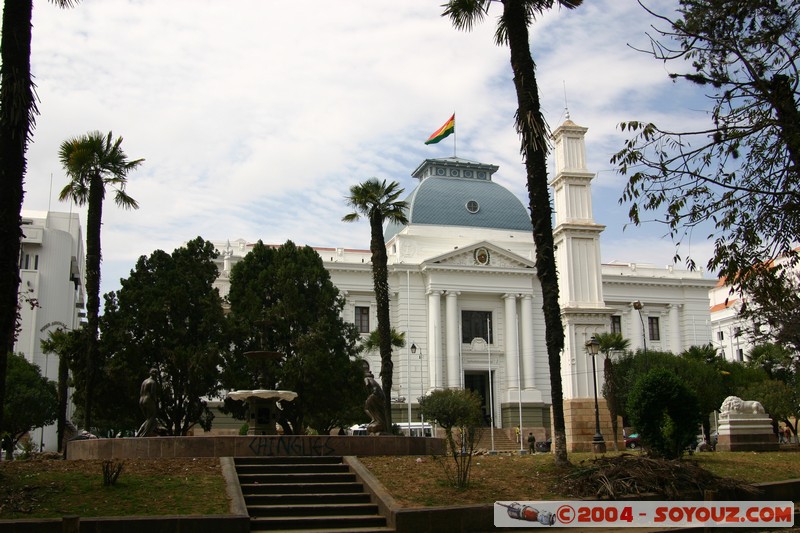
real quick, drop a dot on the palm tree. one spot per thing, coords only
(512, 29)
(92, 162)
(17, 115)
(379, 202)
(373, 341)
(66, 345)
(611, 342)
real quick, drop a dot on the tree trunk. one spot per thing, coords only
(94, 219)
(380, 280)
(780, 94)
(17, 108)
(533, 130)
(63, 377)
(611, 398)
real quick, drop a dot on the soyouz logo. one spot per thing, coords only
(643, 514)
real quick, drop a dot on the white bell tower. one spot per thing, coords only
(583, 311)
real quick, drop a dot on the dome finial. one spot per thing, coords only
(566, 106)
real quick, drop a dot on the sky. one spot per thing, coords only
(255, 117)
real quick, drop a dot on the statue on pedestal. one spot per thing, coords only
(148, 403)
(375, 403)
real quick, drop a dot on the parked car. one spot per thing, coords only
(632, 441)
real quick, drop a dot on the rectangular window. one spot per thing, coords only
(36, 262)
(652, 323)
(740, 355)
(720, 335)
(616, 324)
(362, 319)
(476, 324)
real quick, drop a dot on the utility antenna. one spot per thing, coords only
(566, 106)
(50, 195)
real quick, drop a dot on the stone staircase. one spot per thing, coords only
(502, 442)
(318, 494)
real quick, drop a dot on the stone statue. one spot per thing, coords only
(148, 402)
(375, 404)
(735, 405)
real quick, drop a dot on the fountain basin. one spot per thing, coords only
(262, 407)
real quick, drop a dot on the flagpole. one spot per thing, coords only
(455, 133)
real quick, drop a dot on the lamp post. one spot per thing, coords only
(408, 382)
(638, 306)
(421, 386)
(598, 444)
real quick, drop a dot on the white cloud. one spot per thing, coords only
(255, 117)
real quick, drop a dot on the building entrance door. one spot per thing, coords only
(478, 381)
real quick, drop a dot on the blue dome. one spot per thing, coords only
(458, 192)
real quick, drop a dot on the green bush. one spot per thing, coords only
(458, 412)
(665, 412)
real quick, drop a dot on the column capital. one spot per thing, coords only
(434, 292)
(453, 293)
(510, 296)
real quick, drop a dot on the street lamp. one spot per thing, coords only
(598, 444)
(638, 306)
(421, 386)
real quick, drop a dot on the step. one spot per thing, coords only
(301, 488)
(310, 523)
(323, 498)
(290, 468)
(313, 508)
(385, 529)
(292, 459)
(305, 477)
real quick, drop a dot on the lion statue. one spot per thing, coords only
(734, 404)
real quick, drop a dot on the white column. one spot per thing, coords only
(526, 331)
(510, 344)
(435, 357)
(675, 328)
(635, 325)
(453, 369)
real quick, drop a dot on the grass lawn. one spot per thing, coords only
(53, 488)
(500, 477)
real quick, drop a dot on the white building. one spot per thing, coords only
(51, 271)
(464, 265)
(729, 333)
(732, 336)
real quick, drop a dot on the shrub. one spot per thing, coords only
(665, 412)
(111, 472)
(458, 412)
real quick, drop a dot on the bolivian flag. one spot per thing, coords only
(448, 128)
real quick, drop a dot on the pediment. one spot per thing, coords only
(480, 255)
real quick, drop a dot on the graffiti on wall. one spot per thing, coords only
(291, 445)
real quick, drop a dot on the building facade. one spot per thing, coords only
(51, 291)
(732, 336)
(464, 290)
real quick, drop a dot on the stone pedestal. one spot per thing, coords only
(740, 432)
(579, 423)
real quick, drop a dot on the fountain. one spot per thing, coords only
(264, 410)
(262, 403)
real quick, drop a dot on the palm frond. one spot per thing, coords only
(464, 14)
